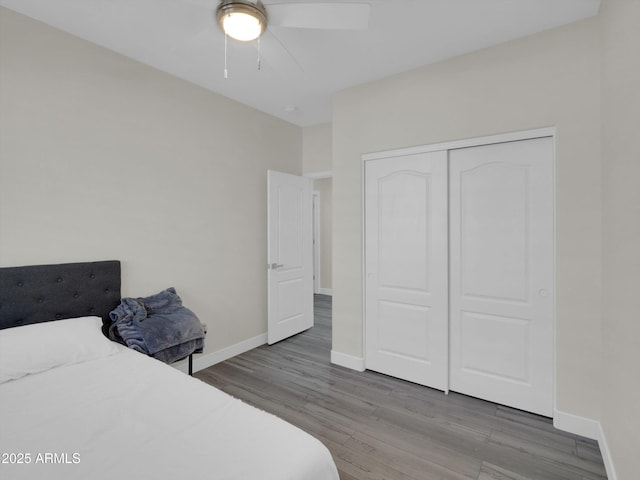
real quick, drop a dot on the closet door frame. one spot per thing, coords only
(470, 142)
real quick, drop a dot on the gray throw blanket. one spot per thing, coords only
(158, 326)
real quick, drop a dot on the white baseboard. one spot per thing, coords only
(582, 426)
(325, 291)
(589, 428)
(200, 362)
(606, 454)
(347, 361)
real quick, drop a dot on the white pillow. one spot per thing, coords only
(42, 346)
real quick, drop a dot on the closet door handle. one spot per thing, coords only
(274, 266)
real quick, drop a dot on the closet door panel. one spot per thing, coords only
(406, 267)
(501, 273)
(494, 234)
(402, 228)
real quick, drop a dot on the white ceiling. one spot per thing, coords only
(181, 37)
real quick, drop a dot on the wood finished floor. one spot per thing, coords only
(379, 427)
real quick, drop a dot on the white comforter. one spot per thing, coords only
(127, 416)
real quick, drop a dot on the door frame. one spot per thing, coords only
(469, 142)
(315, 202)
(317, 284)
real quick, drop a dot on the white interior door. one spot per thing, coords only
(290, 256)
(501, 273)
(406, 267)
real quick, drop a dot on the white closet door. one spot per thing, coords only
(406, 267)
(501, 273)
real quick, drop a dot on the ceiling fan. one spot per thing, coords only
(247, 20)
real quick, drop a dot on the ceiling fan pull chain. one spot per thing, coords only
(226, 72)
(258, 53)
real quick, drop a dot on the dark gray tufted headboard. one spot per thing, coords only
(42, 293)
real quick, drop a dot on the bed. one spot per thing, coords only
(74, 405)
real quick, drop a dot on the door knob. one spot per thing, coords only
(274, 266)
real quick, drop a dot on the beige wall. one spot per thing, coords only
(324, 188)
(102, 157)
(316, 148)
(550, 79)
(621, 232)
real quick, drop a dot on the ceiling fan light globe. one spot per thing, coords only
(242, 20)
(242, 26)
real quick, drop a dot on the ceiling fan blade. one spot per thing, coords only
(278, 56)
(331, 16)
(210, 4)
